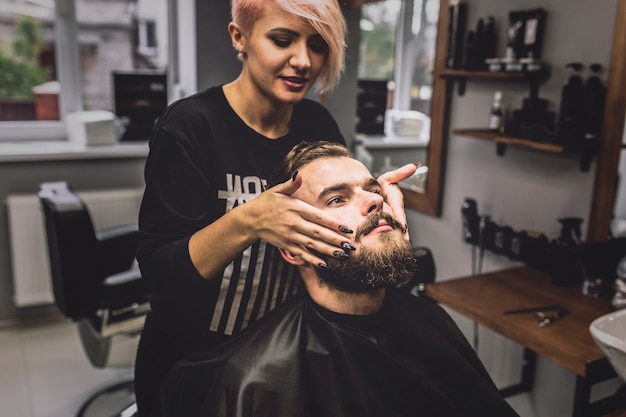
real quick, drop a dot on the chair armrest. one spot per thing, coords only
(123, 289)
(117, 247)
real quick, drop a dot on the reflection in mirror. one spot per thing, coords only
(402, 53)
(396, 60)
(607, 181)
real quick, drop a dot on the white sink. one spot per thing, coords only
(609, 332)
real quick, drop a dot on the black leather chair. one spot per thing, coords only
(425, 274)
(95, 285)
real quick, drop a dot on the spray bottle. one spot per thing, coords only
(594, 95)
(569, 127)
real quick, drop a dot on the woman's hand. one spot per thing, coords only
(298, 227)
(392, 194)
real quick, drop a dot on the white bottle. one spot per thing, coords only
(496, 115)
(619, 299)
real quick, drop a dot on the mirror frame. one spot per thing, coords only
(607, 160)
(429, 201)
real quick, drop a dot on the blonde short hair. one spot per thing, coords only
(326, 18)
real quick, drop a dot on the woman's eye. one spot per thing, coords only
(318, 46)
(282, 42)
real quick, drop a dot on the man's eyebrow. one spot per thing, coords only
(333, 189)
(369, 183)
(372, 182)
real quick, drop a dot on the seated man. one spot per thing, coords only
(352, 344)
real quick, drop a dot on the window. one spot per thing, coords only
(61, 55)
(397, 52)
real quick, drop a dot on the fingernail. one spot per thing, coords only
(347, 246)
(323, 265)
(340, 254)
(345, 229)
(294, 175)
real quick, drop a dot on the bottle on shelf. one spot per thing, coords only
(593, 96)
(491, 38)
(569, 128)
(496, 115)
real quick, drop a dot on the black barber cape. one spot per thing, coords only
(409, 359)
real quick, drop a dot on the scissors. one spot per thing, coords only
(543, 319)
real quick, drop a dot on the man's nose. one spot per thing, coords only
(372, 202)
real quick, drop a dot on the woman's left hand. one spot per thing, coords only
(392, 194)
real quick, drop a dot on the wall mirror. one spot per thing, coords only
(405, 41)
(607, 162)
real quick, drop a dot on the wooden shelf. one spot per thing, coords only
(534, 78)
(503, 140)
(483, 74)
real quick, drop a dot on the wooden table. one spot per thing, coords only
(567, 341)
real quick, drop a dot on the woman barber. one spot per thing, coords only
(208, 231)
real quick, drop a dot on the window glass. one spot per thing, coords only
(398, 39)
(27, 65)
(110, 36)
(378, 27)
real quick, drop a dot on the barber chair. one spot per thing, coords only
(425, 273)
(95, 285)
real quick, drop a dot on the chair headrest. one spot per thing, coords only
(59, 195)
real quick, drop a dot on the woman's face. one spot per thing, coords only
(284, 55)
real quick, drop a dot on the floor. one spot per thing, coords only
(44, 372)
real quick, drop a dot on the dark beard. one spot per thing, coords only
(392, 263)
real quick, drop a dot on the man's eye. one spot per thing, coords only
(335, 201)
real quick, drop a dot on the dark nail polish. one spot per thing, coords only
(345, 229)
(294, 175)
(347, 246)
(323, 265)
(340, 254)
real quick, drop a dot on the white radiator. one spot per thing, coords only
(29, 251)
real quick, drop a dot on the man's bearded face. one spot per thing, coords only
(388, 262)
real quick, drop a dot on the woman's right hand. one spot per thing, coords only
(279, 219)
(298, 227)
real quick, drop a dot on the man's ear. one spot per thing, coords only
(291, 259)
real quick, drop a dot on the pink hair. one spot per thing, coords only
(324, 15)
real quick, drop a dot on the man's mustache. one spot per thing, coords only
(372, 221)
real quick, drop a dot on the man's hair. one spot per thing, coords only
(304, 153)
(324, 15)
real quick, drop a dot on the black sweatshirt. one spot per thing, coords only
(203, 161)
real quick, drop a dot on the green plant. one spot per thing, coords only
(19, 71)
